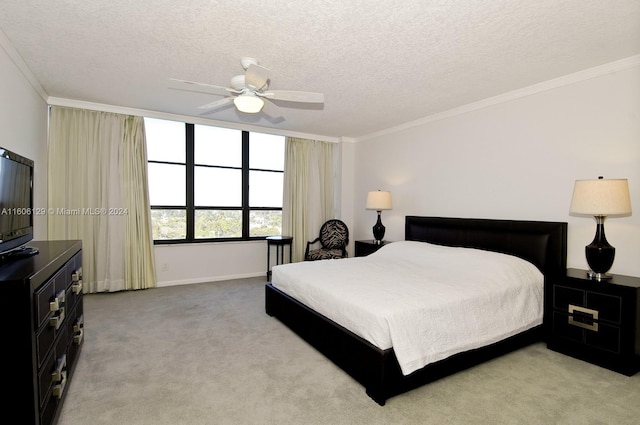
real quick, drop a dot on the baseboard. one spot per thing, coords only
(161, 284)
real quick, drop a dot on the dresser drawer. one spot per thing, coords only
(75, 332)
(45, 379)
(53, 325)
(74, 274)
(44, 342)
(43, 297)
(53, 374)
(50, 297)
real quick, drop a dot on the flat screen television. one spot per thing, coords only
(16, 202)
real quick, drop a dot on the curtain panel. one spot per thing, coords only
(308, 198)
(98, 193)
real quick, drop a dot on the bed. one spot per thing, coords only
(376, 355)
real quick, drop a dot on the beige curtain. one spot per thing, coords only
(308, 198)
(97, 192)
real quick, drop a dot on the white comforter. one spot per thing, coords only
(426, 301)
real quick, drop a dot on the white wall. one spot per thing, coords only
(206, 262)
(23, 124)
(515, 159)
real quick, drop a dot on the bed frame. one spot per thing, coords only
(541, 242)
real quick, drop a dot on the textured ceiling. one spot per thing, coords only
(379, 63)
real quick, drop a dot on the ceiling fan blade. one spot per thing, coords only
(256, 77)
(294, 96)
(202, 87)
(272, 110)
(218, 104)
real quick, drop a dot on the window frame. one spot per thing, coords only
(190, 208)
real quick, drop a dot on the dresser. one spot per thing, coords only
(595, 321)
(45, 327)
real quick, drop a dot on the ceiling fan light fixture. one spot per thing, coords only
(248, 103)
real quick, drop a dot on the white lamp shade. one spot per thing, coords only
(379, 200)
(248, 103)
(601, 197)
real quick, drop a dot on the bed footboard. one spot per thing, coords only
(377, 370)
(365, 362)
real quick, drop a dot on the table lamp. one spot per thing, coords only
(378, 200)
(600, 198)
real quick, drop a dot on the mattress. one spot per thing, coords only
(425, 301)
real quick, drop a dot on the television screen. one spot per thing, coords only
(16, 200)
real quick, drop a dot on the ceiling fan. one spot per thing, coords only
(249, 92)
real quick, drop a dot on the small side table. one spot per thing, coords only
(366, 247)
(279, 242)
(595, 321)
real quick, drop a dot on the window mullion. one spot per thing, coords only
(190, 146)
(245, 185)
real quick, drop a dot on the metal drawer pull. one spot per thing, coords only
(77, 338)
(57, 307)
(77, 275)
(56, 321)
(59, 377)
(78, 330)
(58, 389)
(76, 278)
(76, 287)
(61, 364)
(583, 310)
(58, 302)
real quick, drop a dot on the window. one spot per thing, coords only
(210, 183)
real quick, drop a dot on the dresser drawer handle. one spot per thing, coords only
(58, 389)
(56, 321)
(586, 311)
(76, 287)
(78, 330)
(61, 365)
(76, 276)
(58, 302)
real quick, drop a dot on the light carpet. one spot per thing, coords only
(209, 354)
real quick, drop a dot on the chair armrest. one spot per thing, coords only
(309, 243)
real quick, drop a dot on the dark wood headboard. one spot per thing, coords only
(543, 243)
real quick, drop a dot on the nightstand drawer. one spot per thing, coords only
(582, 330)
(607, 307)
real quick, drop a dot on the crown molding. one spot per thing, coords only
(587, 74)
(15, 57)
(71, 103)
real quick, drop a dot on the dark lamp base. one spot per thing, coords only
(600, 254)
(378, 230)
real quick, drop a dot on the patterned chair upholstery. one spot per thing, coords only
(334, 238)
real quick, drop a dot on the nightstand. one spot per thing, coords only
(595, 321)
(369, 246)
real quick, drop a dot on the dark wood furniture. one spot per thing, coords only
(595, 321)
(369, 246)
(542, 243)
(279, 242)
(44, 334)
